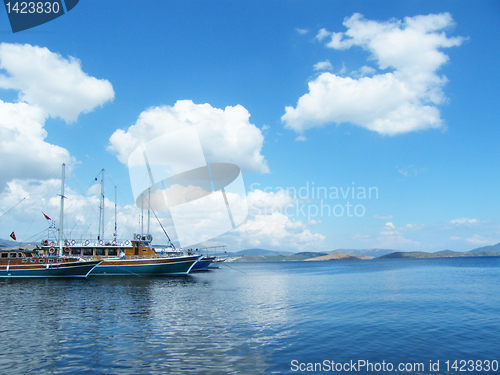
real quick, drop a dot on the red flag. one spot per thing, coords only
(48, 218)
(13, 236)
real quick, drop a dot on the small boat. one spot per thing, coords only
(216, 263)
(203, 263)
(30, 263)
(209, 261)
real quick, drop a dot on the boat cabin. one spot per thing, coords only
(21, 256)
(139, 248)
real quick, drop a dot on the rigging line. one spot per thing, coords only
(233, 268)
(119, 191)
(12, 208)
(29, 226)
(36, 235)
(164, 231)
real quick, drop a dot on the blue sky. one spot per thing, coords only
(413, 115)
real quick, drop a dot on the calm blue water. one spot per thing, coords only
(256, 318)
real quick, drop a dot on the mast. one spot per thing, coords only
(149, 208)
(61, 214)
(142, 216)
(101, 209)
(114, 234)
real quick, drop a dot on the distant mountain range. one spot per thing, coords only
(486, 249)
(274, 258)
(374, 253)
(7, 243)
(338, 256)
(262, 255)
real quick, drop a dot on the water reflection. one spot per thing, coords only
(252, 319)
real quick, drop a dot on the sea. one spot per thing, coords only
(383, 316)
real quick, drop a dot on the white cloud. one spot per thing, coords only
(278, 230)
(474, 240)
(225, 135)
(395, 241)
(410, 171)
(49, 86)
(384, 217)
(51, 82)
(266, 203)
(301, 138)
(23, 150)
(269, 226)
(322, 34)
(363, 71)
(390, 103)
(477, 240)
(390, 225)
(301, 31)
(391, 237)
(323, 65)
(464, 221)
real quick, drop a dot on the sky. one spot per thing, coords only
(355, 124)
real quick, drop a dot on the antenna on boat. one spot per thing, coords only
(61, 217)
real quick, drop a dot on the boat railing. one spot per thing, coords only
(88, 243)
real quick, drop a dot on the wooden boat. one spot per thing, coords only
(33, 263)
(30, 263)
(136, 257)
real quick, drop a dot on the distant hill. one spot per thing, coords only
(274, 258)
(486, 249)
(7, 243)
(338, 256)
(412, 254)
(304, 256)
(374, 253)
(445, 252)
(439, 254)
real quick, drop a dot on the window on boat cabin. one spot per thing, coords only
(41, 260)
(19, 255)
(100, 251)
(112, 252)
(5, 255)
(88, 252)
(59, 260)
(51, 260)
(32, 260)
(12, 255)
(24, 260)
(76, 251)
